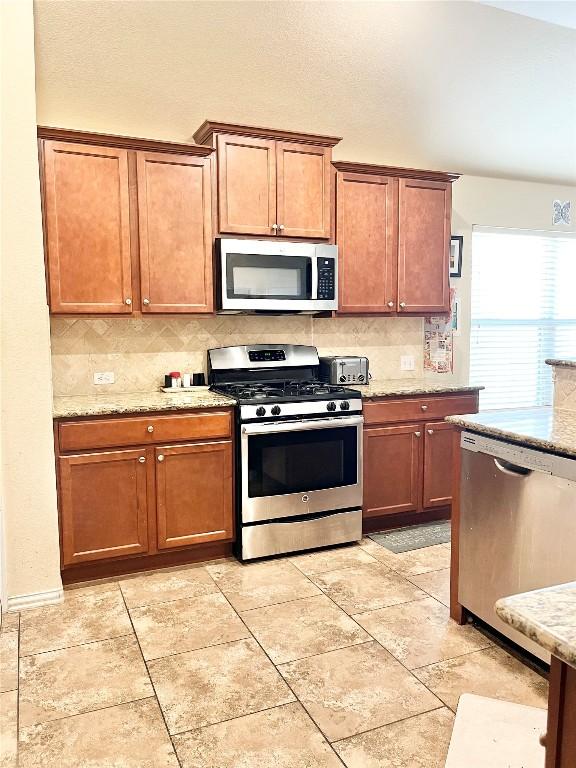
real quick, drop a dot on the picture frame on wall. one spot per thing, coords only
(456, 245)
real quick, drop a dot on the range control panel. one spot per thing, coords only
(266, 355)
(326, 279)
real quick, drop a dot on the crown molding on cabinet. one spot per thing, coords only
(123, 142)
(387, 170)
(208, 128)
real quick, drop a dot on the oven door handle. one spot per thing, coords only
(298, 426)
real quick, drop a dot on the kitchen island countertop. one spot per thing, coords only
(137, 402)
(546, 616)
(546, 429)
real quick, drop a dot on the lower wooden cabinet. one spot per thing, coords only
(392, 469)
(194, 493)
(120, 502)
(408, 465)
(104, 505)
(438, 455)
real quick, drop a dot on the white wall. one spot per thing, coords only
(26, 448)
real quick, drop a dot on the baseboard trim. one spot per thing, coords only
(35, 599)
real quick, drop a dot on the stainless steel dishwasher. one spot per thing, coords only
(517, 526)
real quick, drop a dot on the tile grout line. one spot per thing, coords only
(285, 681)
(392, 655)
(155, 696)
(76, 645)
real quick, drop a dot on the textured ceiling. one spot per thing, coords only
(450, 85)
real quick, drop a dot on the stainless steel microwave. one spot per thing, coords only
(273, 276)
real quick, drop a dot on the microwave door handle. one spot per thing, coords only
(299, 426)
(314, 287)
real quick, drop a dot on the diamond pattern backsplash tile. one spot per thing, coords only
(140, 351)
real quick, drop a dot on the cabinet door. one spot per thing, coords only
(175, 221)
(104, 500)
(194, 493)
(392, 469)
(438, 457)
(303, 190)
(366, 215)
(423, 245)
(246, 185)
(86, 217)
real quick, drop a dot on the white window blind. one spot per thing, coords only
(523, 311)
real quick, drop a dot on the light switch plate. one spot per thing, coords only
(104, 377)
(407, 363)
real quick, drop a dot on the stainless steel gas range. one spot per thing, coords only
(299, 449)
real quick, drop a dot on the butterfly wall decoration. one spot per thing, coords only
(561, 213)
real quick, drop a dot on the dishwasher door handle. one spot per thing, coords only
(512, 469)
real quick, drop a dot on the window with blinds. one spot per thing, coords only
(523, 311)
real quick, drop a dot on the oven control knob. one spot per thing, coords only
(275, 410)
(260, 411)
(331, 406)
(344, 405)
(342, 378)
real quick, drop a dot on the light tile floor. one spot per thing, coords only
(344, 657)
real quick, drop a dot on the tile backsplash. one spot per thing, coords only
(141, 351)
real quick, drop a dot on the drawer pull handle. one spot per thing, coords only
(430, 431)
(150, 428)
(142, 459)
(424, 407)
(417, 434)
(160, 457)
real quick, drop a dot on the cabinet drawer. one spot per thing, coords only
(107, 433)
(389, 411)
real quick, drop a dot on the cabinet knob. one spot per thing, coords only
(280, 227)
(142, 459)
(417, 434)
(402, 304)
(390, 304)
(543, 739)
(160, 457)
(274, 227)
(424, 407)
(128, 301)
(146, 302)
(430, 431)
(150, 428)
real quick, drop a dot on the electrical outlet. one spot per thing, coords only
(407, 363)
(104, 377)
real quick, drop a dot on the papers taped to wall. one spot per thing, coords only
(438, 339)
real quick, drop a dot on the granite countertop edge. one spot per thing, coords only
(546, 616)
(388, 388)
(556, 446)
(561, 363)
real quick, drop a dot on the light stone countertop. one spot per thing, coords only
(546, 616)
(561, 363)
(137, 402)
(144, 402)
(547, 429)
(391, 387)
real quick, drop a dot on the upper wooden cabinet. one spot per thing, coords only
(175, 225)
(127, 224)
(425, 209)
(393, 235)
(273, 183)
(87, 228)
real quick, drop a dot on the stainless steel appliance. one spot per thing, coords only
(299, 449)
(517, 526)
(344, 370)
(276, 276)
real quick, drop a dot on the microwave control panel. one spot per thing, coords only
(326, 278)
